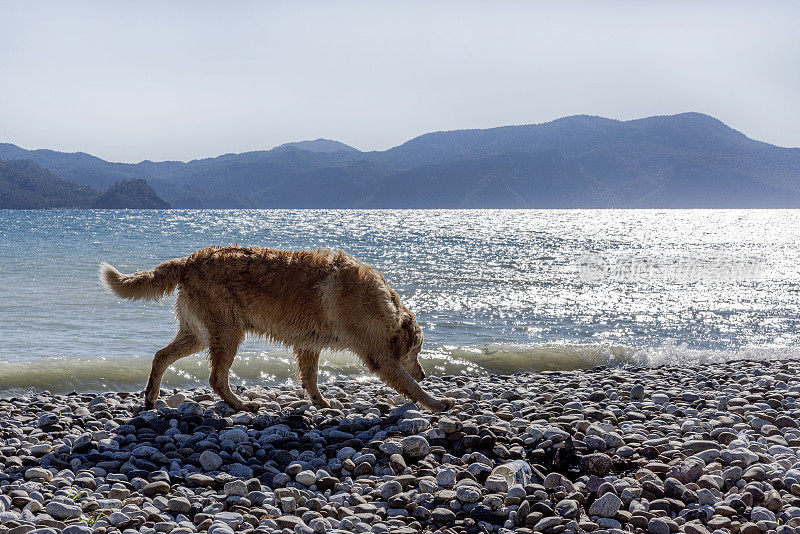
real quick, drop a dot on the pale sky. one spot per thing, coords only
(158, 80)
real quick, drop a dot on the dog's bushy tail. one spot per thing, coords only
(145, 285)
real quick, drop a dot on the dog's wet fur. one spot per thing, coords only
(310, 300)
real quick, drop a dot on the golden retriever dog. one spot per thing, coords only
(308, 300)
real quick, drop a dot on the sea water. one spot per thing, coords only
(494, 291)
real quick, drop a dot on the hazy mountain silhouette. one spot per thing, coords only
(320, 145)
(685, 160)
(26, 185)
(133, 193)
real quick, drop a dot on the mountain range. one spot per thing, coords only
(26, 185)
(687, 160)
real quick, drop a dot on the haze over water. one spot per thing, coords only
(493, 290)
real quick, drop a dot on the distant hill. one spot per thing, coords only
(517, 180)
(685, 160)
(320, 145)
(132, 194)
(26, 185)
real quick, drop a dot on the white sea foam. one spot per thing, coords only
(64, 374)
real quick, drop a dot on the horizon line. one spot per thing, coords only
(288, 143)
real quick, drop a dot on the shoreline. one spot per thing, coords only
(103, 375)
(660, 449)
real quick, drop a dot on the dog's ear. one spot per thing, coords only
(407, 337)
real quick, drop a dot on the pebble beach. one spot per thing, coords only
(696, 449)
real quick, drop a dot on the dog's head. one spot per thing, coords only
(407, 345)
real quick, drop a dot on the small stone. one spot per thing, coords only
(232, 519)
(38, 473)
(568, 508)
(47, 419)
(699, 445)
(686, 471)
(60, 510)
(496, 484)
(658, 526)
(613, 440)
(390, 448)
(595, 443)
(321, 525)
(413, 425)
(120, 493)
(190, 409)
(759, 513)
(389, 489)
(673, 488)
(446, 477)
(174, 401)
(523, 512)
(609, 523)
(41, 449)
(288, 504)
(236, 435)
(660, 398)
(695, 527)
(307, 477)
(155, 488)
(755, 472)
(210, 461)
(467, 493)
(597, 396)
(236, 488)
(241, 471)
(596, 463)
(199, 480)
(118, 518)
(555, 480)
(179, 505)
(625, 451)
(449, 425)
(517, 492)
(219, 528)
(637, 392)
(397, 462)
(326, 483)
(606, 506)
(415, 446)
(289, 521)
(362, 469)
(443, 515)
(546, 523)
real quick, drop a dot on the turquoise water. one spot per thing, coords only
(494, 290)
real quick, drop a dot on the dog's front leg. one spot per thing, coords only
(398, 378)
(184, 344)
(307, 364)
(221, 361)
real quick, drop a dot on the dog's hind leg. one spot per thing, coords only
(396, 377)
(222, 354)
(184, 344)
(307, 363)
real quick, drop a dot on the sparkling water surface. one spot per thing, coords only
(493, 290)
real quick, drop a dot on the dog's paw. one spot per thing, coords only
(442, 405)
(321, 402)
(251, 406)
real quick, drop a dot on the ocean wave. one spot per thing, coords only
(64, 374)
